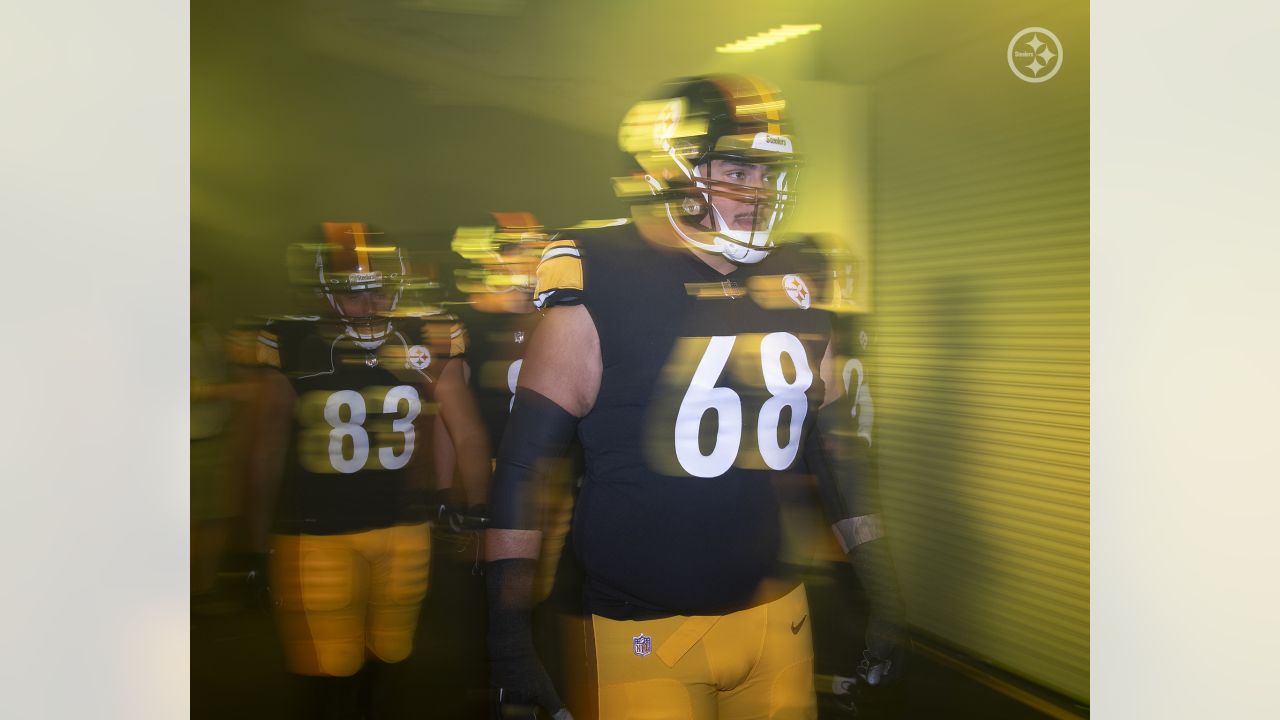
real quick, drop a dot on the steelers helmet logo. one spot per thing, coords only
(668, 122)
(1035, 54)
(797, 290)
(419, 357)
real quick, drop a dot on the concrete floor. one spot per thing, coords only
(237, 671)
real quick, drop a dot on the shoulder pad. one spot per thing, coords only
(559, 275)
(595, 224)
(275, 341)
(242, 346)
(444, 335)
(267, 348)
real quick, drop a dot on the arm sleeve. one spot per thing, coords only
(839, 460)
(537, 430)
(838, 457)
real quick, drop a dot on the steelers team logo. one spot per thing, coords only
(1035, 54)
(797, 290)
(667, 124)
(419, 357)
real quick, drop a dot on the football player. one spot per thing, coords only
(851, 676)
(344, 410)
(686, 353)
(214, 500)
(500, 317)
(499, 313)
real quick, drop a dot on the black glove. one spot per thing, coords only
(521, 681)
(470, 519)
(885, 656)
(882, 661)
(455, 528)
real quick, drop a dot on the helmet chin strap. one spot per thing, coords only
(736, 245)
(369, 343)
(741, 246)
(740, 252)
(372, 341)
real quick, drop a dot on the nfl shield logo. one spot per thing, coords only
(519, 336)
(642, 644)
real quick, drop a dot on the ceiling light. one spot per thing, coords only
(773, 36)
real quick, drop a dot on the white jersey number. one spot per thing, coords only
(352, 427)
(348, 440)
(703, 396)
(863, 408)
(513, 375)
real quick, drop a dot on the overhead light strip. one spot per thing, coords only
(767, 38)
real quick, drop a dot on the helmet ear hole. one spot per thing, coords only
(694, 211)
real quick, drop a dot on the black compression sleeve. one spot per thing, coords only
(838, 458)
(515, 665)
(537, 430)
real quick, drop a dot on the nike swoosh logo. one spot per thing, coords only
(795, 627)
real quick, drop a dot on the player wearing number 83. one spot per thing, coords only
(686, 352)
(346, 406)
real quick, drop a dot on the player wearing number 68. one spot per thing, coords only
(343, 418)
(687, 353)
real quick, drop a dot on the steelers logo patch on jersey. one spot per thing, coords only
(797, 290)
(419, 357)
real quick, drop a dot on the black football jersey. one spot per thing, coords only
(495, 353)
(853, 360)
(709, 385)
(360, 434)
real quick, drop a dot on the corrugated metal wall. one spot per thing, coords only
(981, 282)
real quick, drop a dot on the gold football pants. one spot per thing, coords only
(755, 663)
(338, 596)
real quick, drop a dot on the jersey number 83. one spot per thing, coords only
(347, 431)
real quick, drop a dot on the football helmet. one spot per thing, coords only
(719, 117)
(361, 280)
(502, 259)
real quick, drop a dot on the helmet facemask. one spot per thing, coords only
(365, 313)
(761, 205)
